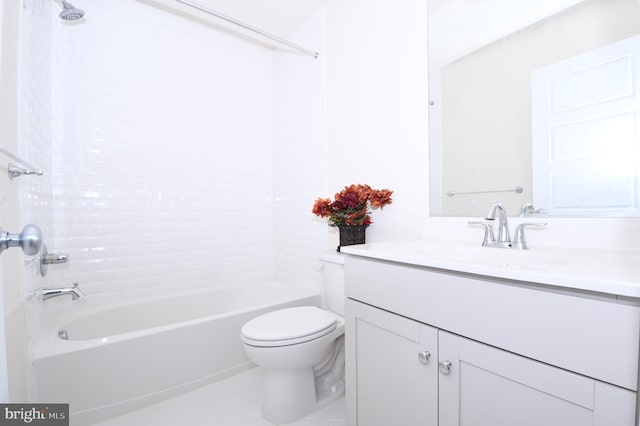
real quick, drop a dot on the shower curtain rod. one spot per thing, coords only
(250, 28)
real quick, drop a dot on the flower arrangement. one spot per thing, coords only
(351, 205)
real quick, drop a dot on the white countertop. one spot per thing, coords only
(614, 272)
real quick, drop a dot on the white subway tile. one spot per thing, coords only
(166, 144)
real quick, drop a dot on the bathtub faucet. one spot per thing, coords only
(75, 292)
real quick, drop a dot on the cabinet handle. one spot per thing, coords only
(445, 367)
(424, 357)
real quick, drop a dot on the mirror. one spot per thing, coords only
(534, 103)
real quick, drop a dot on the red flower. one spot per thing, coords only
(380, 198)
(322, 207)
(349, 198)
(351, 205)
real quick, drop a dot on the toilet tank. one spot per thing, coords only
(333, 281)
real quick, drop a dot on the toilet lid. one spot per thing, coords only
(288, 326)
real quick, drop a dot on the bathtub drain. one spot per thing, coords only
(62, 334)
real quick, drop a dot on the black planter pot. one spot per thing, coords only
(351, 235)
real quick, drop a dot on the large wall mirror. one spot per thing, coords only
(534, 103)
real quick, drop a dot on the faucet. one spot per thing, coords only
(504, 240)
(518, 237)
(527, 209)
(503, 229)
(75, 292)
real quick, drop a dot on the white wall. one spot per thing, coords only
(35, 145)
(377, 117)
(25, 103)
(162, 152)
(4, 380)
(299, 153)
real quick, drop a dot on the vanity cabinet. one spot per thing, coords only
(434, 347)
(395, 368)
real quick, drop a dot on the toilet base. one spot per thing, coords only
(288, 395)
(291, 395)
(326, 396)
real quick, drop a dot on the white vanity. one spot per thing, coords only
(456, 334)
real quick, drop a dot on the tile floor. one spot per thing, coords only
(231, 402)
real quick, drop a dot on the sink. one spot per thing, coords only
(491, 256)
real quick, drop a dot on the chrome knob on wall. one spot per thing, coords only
(30, 240)
(47, 259)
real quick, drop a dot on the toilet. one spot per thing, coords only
(301, 351)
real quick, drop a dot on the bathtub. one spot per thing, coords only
(121, 357)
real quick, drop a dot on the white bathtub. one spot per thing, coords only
(123, 357)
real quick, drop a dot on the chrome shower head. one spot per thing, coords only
(69, 12)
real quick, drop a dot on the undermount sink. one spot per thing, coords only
(501, 257)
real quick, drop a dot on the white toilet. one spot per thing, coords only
(301, 351)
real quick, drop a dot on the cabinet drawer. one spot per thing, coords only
(591, 335)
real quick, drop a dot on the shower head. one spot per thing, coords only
(69, 12)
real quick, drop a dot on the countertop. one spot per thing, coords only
(615, 272)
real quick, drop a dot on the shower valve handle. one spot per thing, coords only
(30, 240)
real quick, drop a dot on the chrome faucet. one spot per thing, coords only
(504, 240)
(75, 292)
(527, 209)
(503, 227)
(519, 241)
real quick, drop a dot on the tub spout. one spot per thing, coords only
(75, 292)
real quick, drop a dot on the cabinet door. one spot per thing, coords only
(392, 369)
(488, 386)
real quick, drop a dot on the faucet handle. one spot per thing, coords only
(518, 237)
(488, 232)
(30, 240)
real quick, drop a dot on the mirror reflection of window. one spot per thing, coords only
(480, 97)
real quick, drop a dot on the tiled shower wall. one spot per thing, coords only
(299, 153)
(162, 152)
(174, 155)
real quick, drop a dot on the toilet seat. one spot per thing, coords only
(289, 326)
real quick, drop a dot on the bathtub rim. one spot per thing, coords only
(48, 344)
